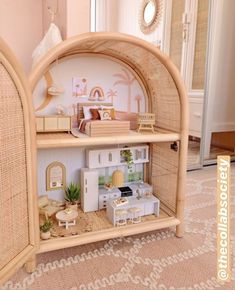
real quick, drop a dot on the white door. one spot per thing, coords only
(19, 233)
(185, 40)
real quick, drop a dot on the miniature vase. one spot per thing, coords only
(46, 235)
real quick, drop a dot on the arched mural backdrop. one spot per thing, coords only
(89, 79)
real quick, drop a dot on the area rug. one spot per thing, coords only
(156, 260)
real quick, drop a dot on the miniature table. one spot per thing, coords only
(67, 219)
(148, 206)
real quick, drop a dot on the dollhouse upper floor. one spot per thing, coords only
(117, 70)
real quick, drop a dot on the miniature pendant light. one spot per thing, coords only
(118, 178)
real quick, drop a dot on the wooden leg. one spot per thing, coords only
(30, 265)
(180, 230)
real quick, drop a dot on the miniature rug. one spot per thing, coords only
(156, 260)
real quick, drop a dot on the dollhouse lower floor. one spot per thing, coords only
(94, 226)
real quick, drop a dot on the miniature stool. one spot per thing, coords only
(120, 217)
(135, 214)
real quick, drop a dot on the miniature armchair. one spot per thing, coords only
(48, 207)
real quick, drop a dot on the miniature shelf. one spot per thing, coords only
(63, 140)
(104, 230)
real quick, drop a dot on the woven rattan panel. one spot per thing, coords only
(176, 41)
(199, 65)
(164, 174)
(14, 229)
(164, 96)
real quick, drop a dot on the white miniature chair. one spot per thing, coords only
(135, 216)
(120, 217)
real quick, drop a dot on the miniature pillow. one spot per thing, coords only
(87, 113)
(105, 115)
(111, 112)
(95, 114)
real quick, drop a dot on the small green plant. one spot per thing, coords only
(127, 157)
(46, 226)
(72, 193)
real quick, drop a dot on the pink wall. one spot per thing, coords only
(23, 23)
(73, 16)
(21, 27)
(61, 17)
(79, 17)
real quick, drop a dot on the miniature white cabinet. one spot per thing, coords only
(53, 123)
(102, 158)
(105, 195)
(113, 156)
(89, 190)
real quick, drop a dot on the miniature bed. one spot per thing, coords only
(165, 172)
(98, 128)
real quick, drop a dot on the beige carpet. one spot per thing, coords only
(156, 260)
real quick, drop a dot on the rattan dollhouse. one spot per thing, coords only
(165, 169)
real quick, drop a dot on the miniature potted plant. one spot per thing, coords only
(45, 229)
(127, 157)
(72, 195)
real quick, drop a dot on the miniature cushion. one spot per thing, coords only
(87, 113)
(95, 114)
(105, 115)
(43, 201)
(111, 113)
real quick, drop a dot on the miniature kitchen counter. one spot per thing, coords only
(128, 189)
(148, 205)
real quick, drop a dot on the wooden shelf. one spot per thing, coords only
(63, 140)
(103, 230)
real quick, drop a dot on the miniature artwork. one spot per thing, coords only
(96, 94)
(79, 87)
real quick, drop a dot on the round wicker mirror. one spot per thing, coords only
(150, 15)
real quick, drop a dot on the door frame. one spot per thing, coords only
(187, 60)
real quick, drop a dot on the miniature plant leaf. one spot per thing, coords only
(72, 193)
(46, 226)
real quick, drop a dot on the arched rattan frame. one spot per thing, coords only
(163, 83)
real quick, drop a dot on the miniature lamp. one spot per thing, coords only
(118, 178)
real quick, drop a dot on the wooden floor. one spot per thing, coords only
(194, 152)
(91, 222)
